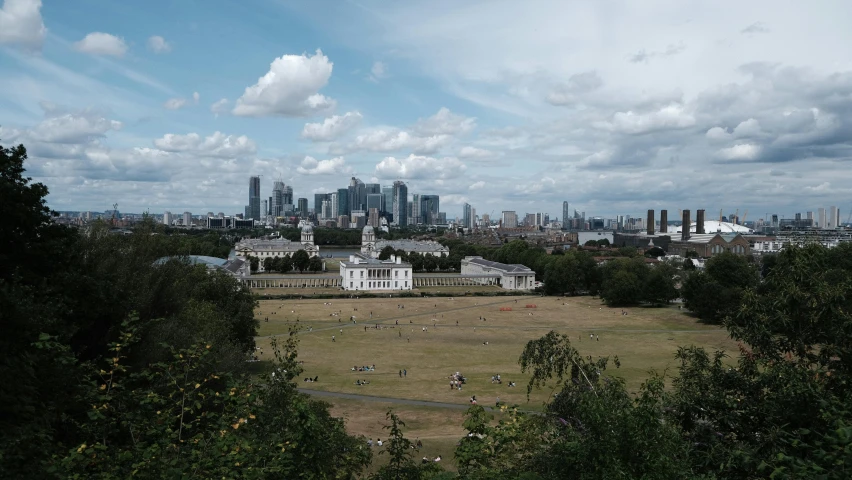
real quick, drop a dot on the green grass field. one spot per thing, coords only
(644, 339)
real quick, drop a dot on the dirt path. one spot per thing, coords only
(370, 398)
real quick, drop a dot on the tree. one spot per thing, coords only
(254, 263)
(315, 264)
(386, 253)
(660, 284)
(301, 260)
(430, 263)
(286, 264)
(623, 281)
(715, 293)
(416, 261)
(268, 263)
(400, 464)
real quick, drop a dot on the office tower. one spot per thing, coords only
(810, 216)
(265, 207)
(334, 198)
(833, 220)
(510, 219)
(566, 214)
(187, 219)
(467, 215)
(303, 207)
(429, 207)
(821, 218)
(357, 194)
(343, 201)
(414, 209)
(343, 221)
(167, 218)
(287, 195)
(372, 188)
(373, 217)
(318, 199)
(375, 200)
(387, 192)
(276, 204)
(253, 210)
(400, 204)
(326, 210)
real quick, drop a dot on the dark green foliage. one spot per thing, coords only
(660, 284)
(623, 281)
(315, 264)
(401, 466)
(715, 293)
(301, 260)
(386, 253)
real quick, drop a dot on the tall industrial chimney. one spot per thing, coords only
(650, 224)
(664, 220)
(699, 221)
(684, 229)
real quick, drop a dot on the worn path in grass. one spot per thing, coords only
(395, 401)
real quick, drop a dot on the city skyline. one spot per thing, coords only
(616, 110)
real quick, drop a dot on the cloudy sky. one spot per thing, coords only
(616, 107)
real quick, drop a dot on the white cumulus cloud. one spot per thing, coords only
(216, 145)
(474, 152)
(333, 166)
(72, 127)
(740, 151)
(476, 186)
(99, 43)
(444, 122)
(21, 24)
(331, 127)
(290, 88)
(158, 44)
(667, 118)
(175, 103)
(219, 106)
(419, 167)
(196, 97)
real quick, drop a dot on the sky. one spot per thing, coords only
(613, 106)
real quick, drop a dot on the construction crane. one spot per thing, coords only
(745, 214)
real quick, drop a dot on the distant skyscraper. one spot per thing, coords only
(372, 188)
(253, 209)
(264, 207)
(373, 217)
(821, 218)
(388, 194)
(833, 220)
(303, 207)
(318, 199)
(416, 215)
(566, 214)
(343, 201)
(357, 194)
(510, 219)
(167, 218)
(400, 204)
(429, 207)
(467, 216)
(334, 198)
(187, 219)
(375, 200)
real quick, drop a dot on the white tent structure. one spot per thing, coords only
(715, 226)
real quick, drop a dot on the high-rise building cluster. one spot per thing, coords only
(354, 206)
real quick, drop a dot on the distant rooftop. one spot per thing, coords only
(507, 268)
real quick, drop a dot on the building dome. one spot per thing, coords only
(715, 226)
(307, 229)
(367, 229)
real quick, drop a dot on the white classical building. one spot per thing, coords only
(511, 277)
(276, 247)
(366, 273)
(372, 247)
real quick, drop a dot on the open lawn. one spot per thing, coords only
(434, 337)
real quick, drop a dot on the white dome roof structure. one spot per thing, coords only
(307, 228)
(715, 226)
(367, 229)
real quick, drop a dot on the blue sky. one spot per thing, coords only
(615, 107)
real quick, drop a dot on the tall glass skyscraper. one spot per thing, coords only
(400, 204)
(253, 207)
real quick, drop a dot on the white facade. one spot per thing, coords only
(512, 277)
(362, 273)
(828, 239)
(276, 247)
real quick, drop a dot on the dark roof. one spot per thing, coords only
(508, 268)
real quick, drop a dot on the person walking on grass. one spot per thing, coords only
(332, 339)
